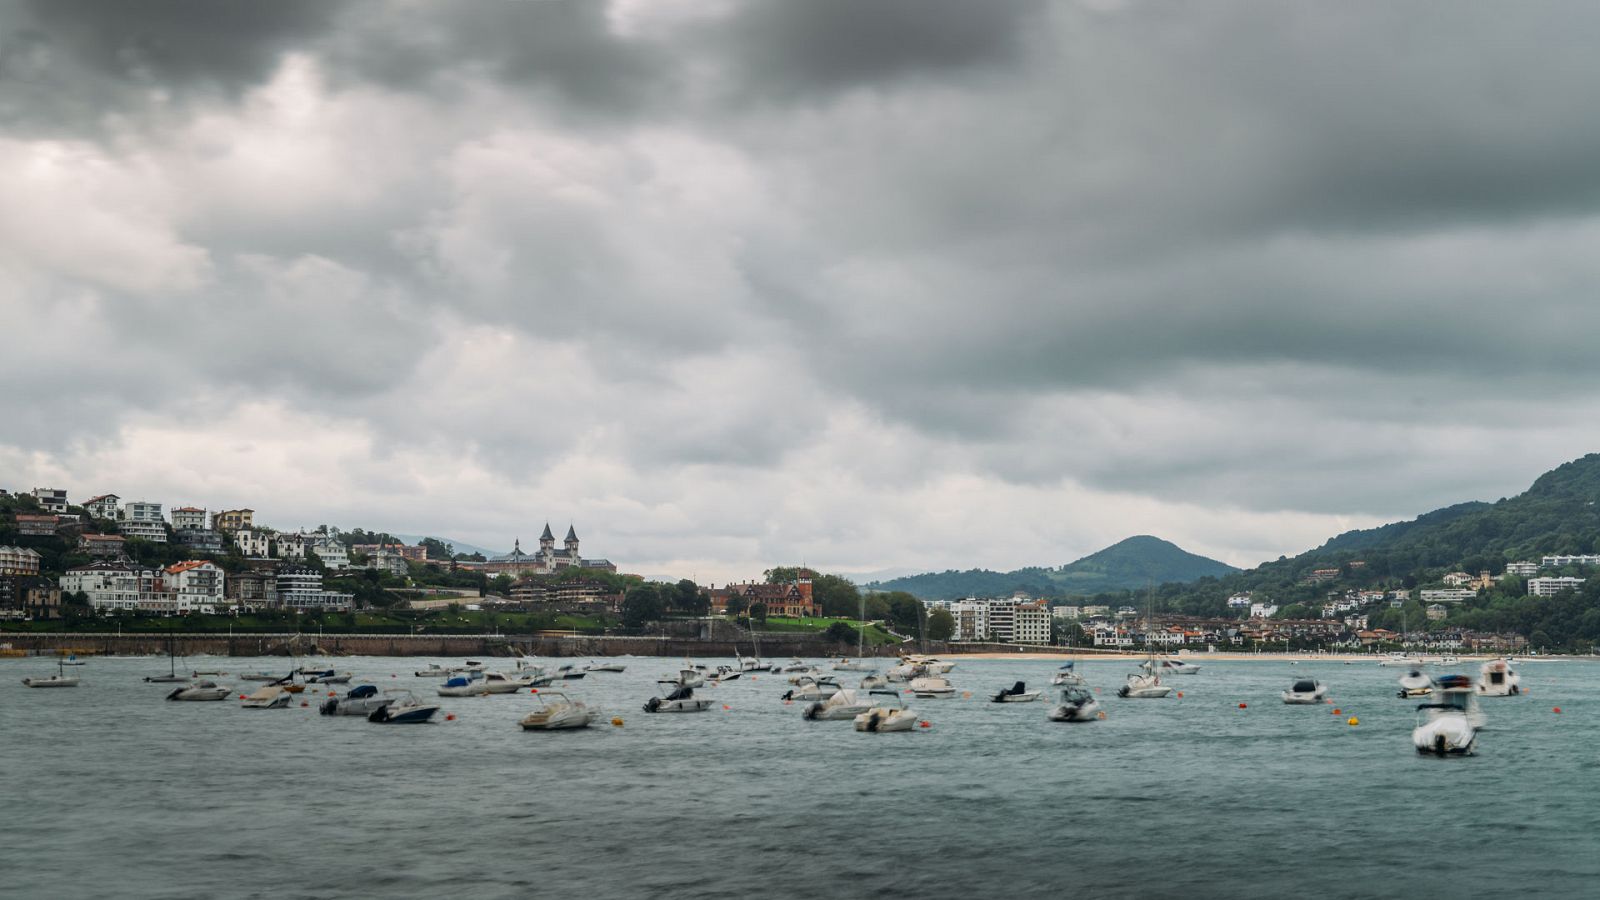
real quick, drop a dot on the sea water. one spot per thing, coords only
(106, 790)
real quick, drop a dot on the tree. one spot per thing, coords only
(737, 605)
(840, 633)
(437, 549)
(758, 612)
(501, 584)
(641, 605)
(941, 625)
(905, 612)
(686, 597)
(782, 574)
(838, 596)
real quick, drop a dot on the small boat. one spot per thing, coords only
(845, 704)
(845, 664)
(1448, 661)
(605, 667)
(726, 673)
(403, 709)
(328, 676)
(557, 711)
(1144, 686)
(932, 664)
(201, 690)
(257, 676)
(1447, 727)
(1415, 684)
(570, 672)
(874, 683)
(933, 687)
(434, 670)
(362, 700)
(1076, 705)
(796, 665)
(752, 664)
(461, 686)
(1067, 675)
(1305, 691)
(904, 672)
(72, 660)
(200, 673)
(1398, 660)
(501, 683)
(60, 679)
(1496, 678)
(1017, 693)
(809, 688)
(172, 676)
(690, 678)
(890, 716)
(268, 696)
(679, 699)
(1172, 665)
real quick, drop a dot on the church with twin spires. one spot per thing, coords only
(547, 560)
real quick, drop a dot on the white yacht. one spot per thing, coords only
(1496, 678)
(557, 711)
(605, 667)
(201, 690)
(1172, 665)
(809, 688)
(892, 715)
(687, 677)
(1395, 660)
(874, 683)
(1017, 693)
(1449, 726)
(403, 709)
(796, 665)
(269, 696)
(905, 671)
(933, 687)
(1067, 675)
(1305, 691)
(501, 683)
(680, 699)
(1415, 683)
(462, 686)
(361, 700)
(434, 670)
(60, 679)
(1076, 705)
(932, 664)
(845, 704)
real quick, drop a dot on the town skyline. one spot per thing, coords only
(989, 287)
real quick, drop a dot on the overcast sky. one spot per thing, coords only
(865, 284)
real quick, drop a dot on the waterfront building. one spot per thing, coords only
(195, 584)
(110, 584)
(1550, 586)
(252, 588)
(19, 561)
(302, 589)
(188, 518)
(540, 590)
(228, 521)
(792, 599)
(105, 506)
(253, 544)
(52, 499)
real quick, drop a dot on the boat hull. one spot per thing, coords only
(1087, 712)
(51, 682)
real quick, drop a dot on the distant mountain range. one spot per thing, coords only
(1127, 564)
(460, 546)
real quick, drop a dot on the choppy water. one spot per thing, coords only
(111, 792)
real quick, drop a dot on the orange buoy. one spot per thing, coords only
(966, 695)
(726, 706)
(450, 718)
(925, 723)
(616, 722)
(533, 690)
(1555, 709)
(1336, 711)
(1352, 721)
(1243, 706)
(243, 697)
(1180, 695)
(303, 703)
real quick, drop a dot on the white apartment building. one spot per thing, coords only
(1262, 610)
(1556, 562)
(253, 544)
(1066, 612)
(1111, 636)
(192, 585)
(150, 531)
(1524, 569)
(19, 561)
(1551, 586)
(972, 619)
(1457, 579)
(1239, 601)
(302, 589)
(52, 499)
(110, 585)
(188, 518)
(142, 511)
(1447, 595)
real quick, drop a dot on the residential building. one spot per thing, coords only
(19, 561)
(105, 506)
(253, 544)
(1447, 595)
(194, 584)
(1524, 569)
(110, 585)
(40, 597)
(1317, 576)
(972, 619)
(417, 553)
(793, 599)
(143, 511)
(1031, 623)
(103, 546)
(155, 532)
(1457, 579)
(1436, 612)
(302, 589)
(1066, 612)
(1263, 610)
(52, 499)
(1582, 559)
(254, 589)
(228, 521)
(1239, 601)
(1356, 623)
(1551, 586)
(531, 591)
(389, 562)
(1090, 611)
(188, 518)
(37, 525)
(203, 540)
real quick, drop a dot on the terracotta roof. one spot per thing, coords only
(186, 565)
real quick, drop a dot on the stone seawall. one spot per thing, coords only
(311, 644)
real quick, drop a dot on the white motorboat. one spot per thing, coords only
(1145, 684)
(874, 682)
(892, 715)
(845, 704)
(361, 700)
(1415, 683)
(434, 670)
(1448, 661)
(726, 673)
(501, 683)
(1447, 727)
(1172, 665)
(269, 696)
(201, 690)
(570, 672)
(1067, 675)
(329, 676)
(262, 676)
(689, 678)
(905, 672)
(933, 687)
(932, 664)
(605, 667)
(1496, 678)
(751, 664)
(60, 679)
(796, 665)
(403, 709)
(1305, 691)
(1017, 693)
(1076, 705)
(1398, 661)
(72, 660)
(462, 686)
(845, 664)
(679, 699)
(557, 711)
(810, 674)
(810, 688)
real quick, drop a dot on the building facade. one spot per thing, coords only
(228, 521)
(188, 518)
(19, 561)
(105, 506)
(1551, 586)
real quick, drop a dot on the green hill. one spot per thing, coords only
(1127, 564)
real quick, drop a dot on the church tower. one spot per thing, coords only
(572, 544)
(547, 541)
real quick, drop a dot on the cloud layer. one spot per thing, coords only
(902, 285)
